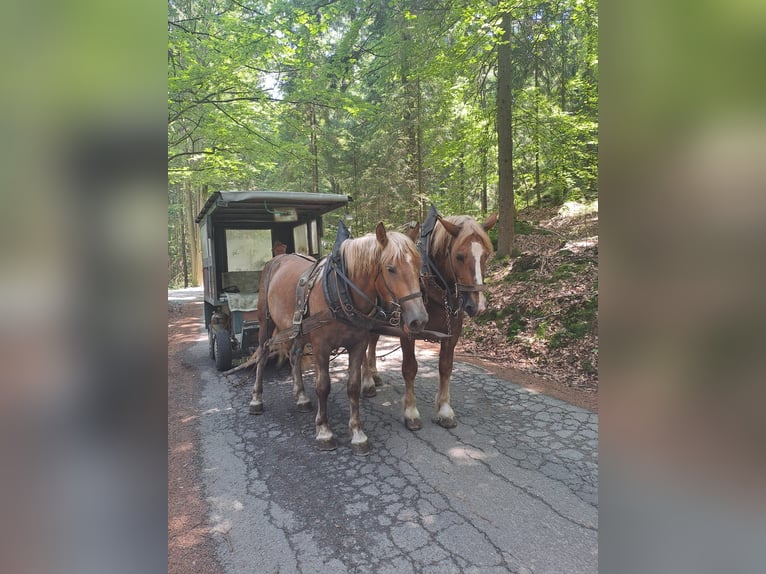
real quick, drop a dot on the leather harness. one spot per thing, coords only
(337, 289)
(447, 295)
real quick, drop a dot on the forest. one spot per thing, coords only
(475, 107)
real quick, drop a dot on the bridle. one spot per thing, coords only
(430, 273)
(396, 303)
(461, 287)
(336, 284)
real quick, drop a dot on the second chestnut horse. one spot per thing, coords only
(455, 251)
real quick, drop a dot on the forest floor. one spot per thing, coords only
(541, 326)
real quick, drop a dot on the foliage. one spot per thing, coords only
(390, 102)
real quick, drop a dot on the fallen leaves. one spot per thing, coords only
(543, 315)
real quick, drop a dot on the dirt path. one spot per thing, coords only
(190, 547)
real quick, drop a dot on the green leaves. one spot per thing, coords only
(403, 98)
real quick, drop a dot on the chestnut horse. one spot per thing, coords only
(381, 267)
(457, 249)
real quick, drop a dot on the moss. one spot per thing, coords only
(516, 325)
(577, 322)
(566, 270)
(495, 314)
(521, 227)
(519, 276)
(557, 341)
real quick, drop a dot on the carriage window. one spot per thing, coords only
(247, 249)
(314, 237)
(300, 236)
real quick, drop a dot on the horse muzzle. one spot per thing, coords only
(414, 314)
(475, 304)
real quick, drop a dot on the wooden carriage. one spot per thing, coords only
(239, 232)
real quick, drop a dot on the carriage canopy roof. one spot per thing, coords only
(249, 207)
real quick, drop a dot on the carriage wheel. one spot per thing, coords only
(222, 350)
(211, 343)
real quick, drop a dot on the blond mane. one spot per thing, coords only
(365, 256)
(441, 239)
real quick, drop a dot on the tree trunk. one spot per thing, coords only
(537, 136)
(484, 151)
(195, 254)
(313, 150)
(484, 166)
(504, 142)
(183, 253)
(421, 195)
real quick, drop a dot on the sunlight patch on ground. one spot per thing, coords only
(466, 455)
(188, 294)
(574, 209)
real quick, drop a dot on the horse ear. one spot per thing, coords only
(380, 233)
(452, 229)
(414, 232)
(490, 223)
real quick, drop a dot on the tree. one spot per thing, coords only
(505, 201)
(473, 106)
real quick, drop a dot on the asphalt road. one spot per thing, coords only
(512, 489)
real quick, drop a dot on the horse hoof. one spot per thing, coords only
(327, 444)
(378, 381)
(305, 407)
(369, 392)
(361, 448)
(413, 424)
(256, 409)
(446, 422)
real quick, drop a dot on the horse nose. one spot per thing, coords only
(482, 304)
(470, 307)
(417, 317)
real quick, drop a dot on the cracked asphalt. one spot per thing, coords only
(512, 489)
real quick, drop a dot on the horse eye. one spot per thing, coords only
(460, 258)
(391, 268)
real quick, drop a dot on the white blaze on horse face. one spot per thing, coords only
(476, 251)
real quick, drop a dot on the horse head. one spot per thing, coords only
(461, 249)
(398, 280)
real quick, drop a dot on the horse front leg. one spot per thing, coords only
(445, 416)
(370, 377)
(299, 391)
(409, 372)
(359, 443)
(324, 438)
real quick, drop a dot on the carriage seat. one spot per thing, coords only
(247, 283)
(242, 301)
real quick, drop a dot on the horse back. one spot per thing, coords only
(279, 282)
